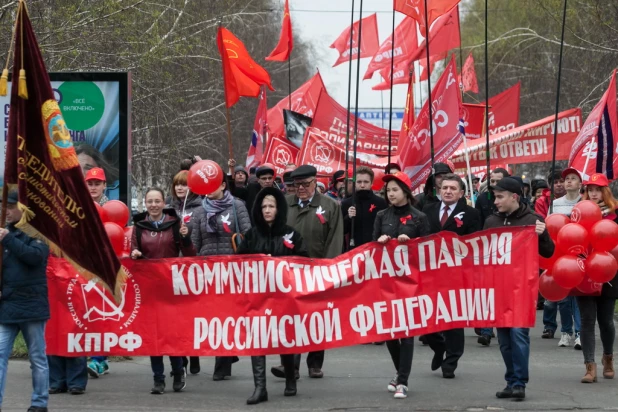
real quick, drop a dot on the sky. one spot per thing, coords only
(320, 22)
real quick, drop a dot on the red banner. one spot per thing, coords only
(405, 42)
(467, 78)
(286, 39)
(503, 114)
(414, 150)
(304, 101)
(530, 143)
(280, 153)
(331, 119)
(369, 40)
(256, 305)
(416, 9)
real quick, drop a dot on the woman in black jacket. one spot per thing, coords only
(403, 222)
(271, 236)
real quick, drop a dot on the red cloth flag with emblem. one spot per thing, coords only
(41, 164)
(503, 113)
(443, 36)
(414, 146)
(596, 145)
(286, 40)
(242, 76)
(369, 41)
(402, 71)
(258, 137)
(304, 101)
(416, 9)
(467, 78)
(406, 42)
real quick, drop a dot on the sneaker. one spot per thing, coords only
(158, 388)
(179, 381)
(548, 334)
(484, 340)
(392, 385)
(93, 369)
(401, 392)
(565, 340)
(103, 368)
(578, 343)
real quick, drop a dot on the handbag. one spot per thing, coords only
(237, 237)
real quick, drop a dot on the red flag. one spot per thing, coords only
(503, 114)
(256, 149)
(467, 78)
(280, 153)
(42, 164)
(443, 36)
(408, 115)
(405, 43)
(416, 9)
(369, 40)
(286, 41)
(597, 139)
(400, 76)
(414, 147)
(242, 76)
(304, 101)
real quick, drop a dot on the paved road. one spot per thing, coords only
(355, 379)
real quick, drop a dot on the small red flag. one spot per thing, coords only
(258, 137)
(467, 78)
(405, 43)
(242, 76)
(416, 9)
(286, 41)
(443, 36)
(401, 74)
(369, 40)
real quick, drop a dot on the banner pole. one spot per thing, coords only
(347, 128)
(460, 61)
(553, 158)
(390, 112)
(433, 170)
(227, 112)
(5, 196)
(592, 143)
(360, 31)
(290, 80)
(486, 123)
(469, 170)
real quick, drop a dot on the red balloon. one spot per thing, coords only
(378, 184)
(205, 177)
(604, 235)
(586, 213)
(117, 212)
(128, 233)
(550, 290)
(548, 263)
(554, 223)
(568, 271)
(601, 267)
(116, 236)
(102, 212)
(614, 253)
(589, 287)
(573, 239)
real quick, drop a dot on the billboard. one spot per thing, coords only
(379, 117)
(96, 109)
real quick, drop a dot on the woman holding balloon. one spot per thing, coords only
(217, 227)
(159, 233)
(599, 309)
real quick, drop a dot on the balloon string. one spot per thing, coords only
(184, 205)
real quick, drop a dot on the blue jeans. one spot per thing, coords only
(487, 331)
(515, 349)
(34, 335)
(158, 369)
(569, 315)
(67, 373)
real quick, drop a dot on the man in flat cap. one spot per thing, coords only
(319, 221)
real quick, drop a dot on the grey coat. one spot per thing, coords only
(220, 242)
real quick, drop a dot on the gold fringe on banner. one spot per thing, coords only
(22, 86)
(4, 82)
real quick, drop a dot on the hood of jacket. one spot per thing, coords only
(171, 217)
(521, 213)
(282, 211)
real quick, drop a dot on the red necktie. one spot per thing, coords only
(444, 216)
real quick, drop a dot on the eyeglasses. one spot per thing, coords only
(303, 184)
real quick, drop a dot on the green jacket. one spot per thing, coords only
(323, 240)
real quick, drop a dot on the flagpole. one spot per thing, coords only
(390, 112)
(460, 59)
(592, 143)
(347, 128)
(553, 158)
(487, 173)
(227, 112)
(429, 97)
(360, 31)
(290, 80)
(382, 120)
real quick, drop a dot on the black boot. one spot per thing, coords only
(258, 364)
(194, 365)
(290, 375)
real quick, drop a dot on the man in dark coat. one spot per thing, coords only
(319, 221)
(515, 342)
(24, 306)
(364, 211)
(485, 201)
(452, 214)
(433, 181)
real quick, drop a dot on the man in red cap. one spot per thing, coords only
(95, 179)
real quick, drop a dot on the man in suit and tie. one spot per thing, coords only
(452, 214)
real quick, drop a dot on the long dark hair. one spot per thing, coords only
(111, 172)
